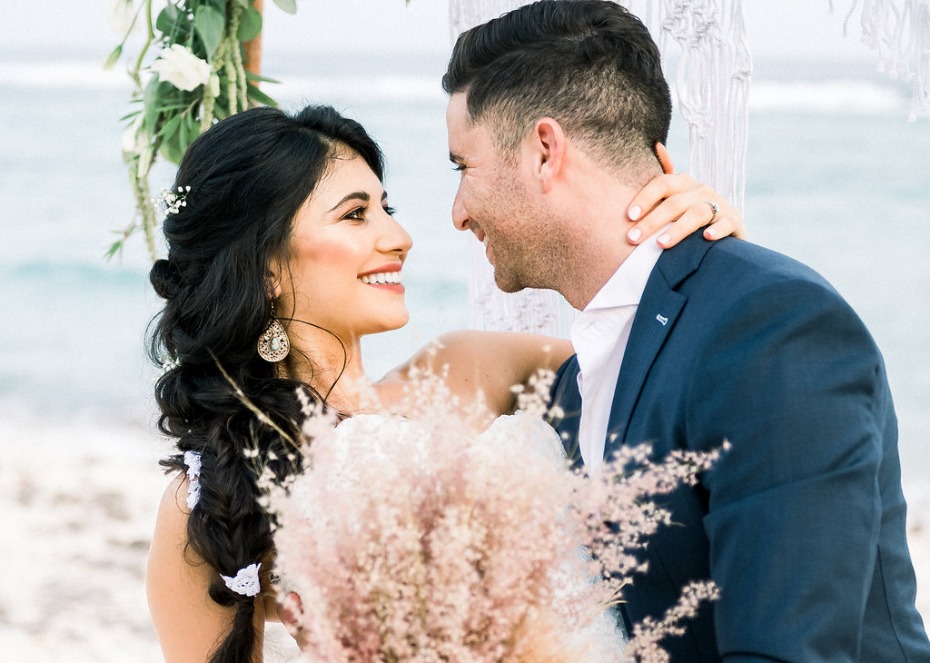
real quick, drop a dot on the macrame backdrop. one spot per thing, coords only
(900, 31)
(712, 87)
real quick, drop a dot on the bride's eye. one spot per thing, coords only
(358, 214)
(390, 210)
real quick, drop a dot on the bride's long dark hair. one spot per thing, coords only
(248, 176)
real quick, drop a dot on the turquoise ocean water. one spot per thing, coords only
(836, 177)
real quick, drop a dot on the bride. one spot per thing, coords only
(282, 253)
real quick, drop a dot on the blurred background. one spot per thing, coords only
(836, 177)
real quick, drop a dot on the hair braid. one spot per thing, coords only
(248, 177)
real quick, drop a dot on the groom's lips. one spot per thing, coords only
(483, 238)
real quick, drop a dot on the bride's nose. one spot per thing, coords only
(394, 239)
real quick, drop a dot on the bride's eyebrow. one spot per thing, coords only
(355, 195)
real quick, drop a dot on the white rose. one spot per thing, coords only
(184, 70)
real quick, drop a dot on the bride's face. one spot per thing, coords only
(346, 255)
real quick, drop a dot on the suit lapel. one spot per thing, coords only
(653, 323)
(658, 311)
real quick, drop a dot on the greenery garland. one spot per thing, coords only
(197, 77)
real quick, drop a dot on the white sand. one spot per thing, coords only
(78, 507)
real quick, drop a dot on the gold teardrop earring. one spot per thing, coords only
(273, 344)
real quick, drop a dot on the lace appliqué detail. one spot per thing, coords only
(192, 460)
(245, 582)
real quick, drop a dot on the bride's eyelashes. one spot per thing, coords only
(358, 214)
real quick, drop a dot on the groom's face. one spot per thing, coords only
(493, 201)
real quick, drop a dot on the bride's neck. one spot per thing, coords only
(335, 372)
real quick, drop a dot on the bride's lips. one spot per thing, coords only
(386, 277)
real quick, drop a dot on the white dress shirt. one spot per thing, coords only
(599, 336)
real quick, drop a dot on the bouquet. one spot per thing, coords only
(425, 539)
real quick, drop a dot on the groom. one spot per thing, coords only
(557, 117)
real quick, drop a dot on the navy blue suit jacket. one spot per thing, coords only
(802, 522)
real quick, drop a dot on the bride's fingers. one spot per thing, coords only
(658, 190)
(290, 610)
(729, 221)
(678, 200)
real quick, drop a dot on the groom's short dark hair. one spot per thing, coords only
(589, 64)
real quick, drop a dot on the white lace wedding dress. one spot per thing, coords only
(378, 439)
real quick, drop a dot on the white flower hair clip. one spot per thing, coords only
(172, 201)
(245, 582)
(192, 460)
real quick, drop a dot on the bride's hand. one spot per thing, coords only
(289, 611)
(686, 205)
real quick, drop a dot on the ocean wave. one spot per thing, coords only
(849, 96)
(90, 76)
(404, 88)
(95, 271)
(63, 75)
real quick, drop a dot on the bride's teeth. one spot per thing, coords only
(381, 278)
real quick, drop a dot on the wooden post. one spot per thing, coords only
(253, 48)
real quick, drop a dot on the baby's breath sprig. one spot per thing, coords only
(172, 201)
(199, 74)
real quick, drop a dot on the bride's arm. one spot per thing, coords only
(486, 365)
(189, 624)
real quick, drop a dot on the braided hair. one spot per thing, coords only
(248, 177)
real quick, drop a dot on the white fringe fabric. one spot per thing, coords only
(899, 30)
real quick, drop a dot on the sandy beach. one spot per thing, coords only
(78, 505)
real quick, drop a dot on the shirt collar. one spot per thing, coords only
(626, 286)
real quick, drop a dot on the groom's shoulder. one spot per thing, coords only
(735, 260)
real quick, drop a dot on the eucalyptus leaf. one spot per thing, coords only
(113, 57)
(257, 95)
(167, 19)
(251, 76)
(184, 132)
(290, 6)
(209, 23)
(151, 105)
(114, 249)
(169, 128)
(171, 149)
(250, 24)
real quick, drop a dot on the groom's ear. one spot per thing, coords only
(548, 144)
(665, 159)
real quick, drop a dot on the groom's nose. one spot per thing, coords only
(459, 213)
